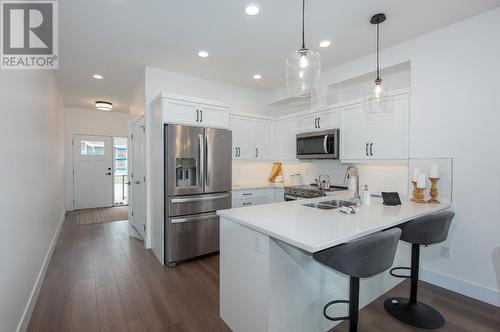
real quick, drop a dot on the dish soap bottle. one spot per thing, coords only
(366, 195)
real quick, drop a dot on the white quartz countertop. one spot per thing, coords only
(257, 186)
(313, 229)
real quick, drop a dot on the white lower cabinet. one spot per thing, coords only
(242, 198)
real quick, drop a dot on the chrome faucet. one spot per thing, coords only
(352, 171)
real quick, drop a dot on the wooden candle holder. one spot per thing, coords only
(434, 191)
(419, 196)
(414, 194)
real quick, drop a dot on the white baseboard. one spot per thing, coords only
(25, 319)
(478, 292)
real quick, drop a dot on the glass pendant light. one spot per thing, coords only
(379, 102)
(303, 69)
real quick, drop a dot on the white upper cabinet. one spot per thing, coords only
(383, 137)
(286, 131)
(264, 139)
(354, 133)
(193, 113)
(252, 138)
(329, 119)
(307, 123)
(389, 136)
(243, 137)
(214, 116)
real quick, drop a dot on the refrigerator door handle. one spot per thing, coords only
(207, 164)
(201, 161)
(190, 199)
(194, 218)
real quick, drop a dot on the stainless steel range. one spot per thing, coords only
(293, 193)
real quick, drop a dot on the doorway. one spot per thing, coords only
(92, 171)
(120, 169)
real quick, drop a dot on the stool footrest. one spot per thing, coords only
(399, 268)
(332, 303)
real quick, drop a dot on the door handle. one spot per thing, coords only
(325, 144)
(197, 115)
(366, 149)
(371, 149)
(108, 173)
(235, 151)
(316, 123)
(196, 218)
(201, 162)
(239, 152)
(201, 116)
(319, 123)
(190, 199)
(256, 152)
(137, 182)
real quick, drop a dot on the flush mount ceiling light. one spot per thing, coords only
(103, 105)
(203, 54)
(324, 43)
(98, 77)
(252, 10)
(257, 76)
(303, 69)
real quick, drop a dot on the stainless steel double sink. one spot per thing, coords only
(330, 205)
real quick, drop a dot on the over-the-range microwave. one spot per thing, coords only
(318, 144)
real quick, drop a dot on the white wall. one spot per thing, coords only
(32, 189)
(455, 113)
(90, 122)
(240, 99)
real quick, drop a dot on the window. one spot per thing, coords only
(92, 148)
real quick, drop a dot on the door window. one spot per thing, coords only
(92, 148)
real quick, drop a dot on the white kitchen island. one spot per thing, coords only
(268, 278)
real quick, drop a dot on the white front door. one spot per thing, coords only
(137, 176)
(92, 171)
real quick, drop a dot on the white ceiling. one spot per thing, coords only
(117, 38)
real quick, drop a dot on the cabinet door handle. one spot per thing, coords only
(239, 152)
(371, 149)
(366, 149)
(197, 115)
(235, 151)
(201, 116)
(247, 203)
(256, 152)
(319, 124)
(316, 123)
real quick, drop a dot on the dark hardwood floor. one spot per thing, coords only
(99, 279)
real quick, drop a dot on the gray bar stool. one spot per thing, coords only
(425, 230)
(361, 258)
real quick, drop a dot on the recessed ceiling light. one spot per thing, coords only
(103, 105)
(252, 10)
(98, 77)
(257, 76)
(324, 43)
(203, 54)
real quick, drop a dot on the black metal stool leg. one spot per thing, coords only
(353, 304)
(410, 311)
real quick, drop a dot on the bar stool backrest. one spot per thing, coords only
(429, 229)
(362, 258)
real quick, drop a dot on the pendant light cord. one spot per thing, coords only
(378, 51)
(303, 10)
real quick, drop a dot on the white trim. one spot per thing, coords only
(467, 288)
(28, 310)
(190, 99)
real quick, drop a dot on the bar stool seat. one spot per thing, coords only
(361, 258)
(421, 231)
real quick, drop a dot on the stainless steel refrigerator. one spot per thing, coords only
(197, 183)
